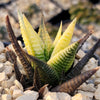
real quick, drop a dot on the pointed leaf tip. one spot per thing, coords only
(65, 38)
(58, 36)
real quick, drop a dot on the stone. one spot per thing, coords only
(3, 76)
(29, 95)
(97, 81)
(81, 53)
(29, 92)
(26, 97)
(92, 63)
(63, 96)
(7, 91)
(8, 83)
(1, 47)
(57, 96)
(80, 96)
(2, 57)
(6, 97)
(87, 87)
(97, 74)
(1, 67)
(97, 93)
(89, 94)
(12, 88)
(8, 63)
(17, 93)
(18, 84)
(8, 70)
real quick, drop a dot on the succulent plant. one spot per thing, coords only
(46, 61)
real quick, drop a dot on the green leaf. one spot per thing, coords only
(46, 71)
(46, 39)
(33, 42)
(65, 38)
(63, 60)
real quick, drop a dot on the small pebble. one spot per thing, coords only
(1, 67)
(80, 96)
(18, 84)
(3, 76)
(17, 93)
(87, 87)
(97, 81)
(1, 47)
(2, 57)
(97, 93)
(6, 97)
(57, 96)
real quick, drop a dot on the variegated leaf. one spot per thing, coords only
(45, 70)
(33, 42)
(63, 60)
(46, 39)
(58, 36)
(65, 38)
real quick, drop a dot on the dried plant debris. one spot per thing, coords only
(51, 60)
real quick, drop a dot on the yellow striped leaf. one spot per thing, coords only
(33, 42)
(63, 60)
(65, 38)
(58, 36)
(46, 39)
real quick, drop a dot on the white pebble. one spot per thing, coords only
(29, 95)
(80, 96)
(1, 47)
(87, 87)
(97, 81)
(81, 53)
(17, 93)
(8, 83)
(6, 97)
(1, 67)
(3, 76)
(97, 93)
(8, 70)
(33, 93)
(57, 96)
(97, 74)
(12, 88)
(8, 63)
(26, 97)
(89, 94)
(18, 84)
(7, 91)
(2, 57)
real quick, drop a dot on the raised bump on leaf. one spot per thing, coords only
(63, 60)
(46, 38)
(65, 38)
(32, 41)
(58, 36)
